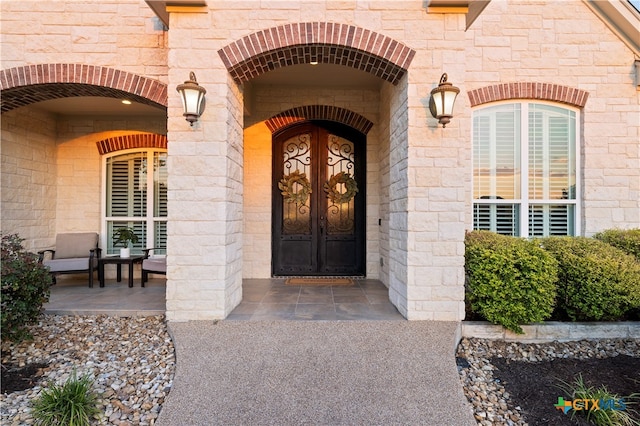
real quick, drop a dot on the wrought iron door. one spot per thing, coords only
(318, 200)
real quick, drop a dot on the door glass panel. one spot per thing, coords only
(341, 186)
(295, 185)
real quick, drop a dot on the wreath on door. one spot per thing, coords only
(287, 186)
(334, 194)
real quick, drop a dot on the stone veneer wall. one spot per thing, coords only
(429, 189)
(123, 34)
(28, 179)
(397, 192)
(564, 43)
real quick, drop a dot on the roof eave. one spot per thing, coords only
(621, 18)
(160, 7)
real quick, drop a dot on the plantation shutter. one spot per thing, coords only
(136, 197)
(551, 170)
(539, 182)
(126, 186)
(496, 144)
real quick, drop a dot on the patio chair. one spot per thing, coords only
(74, 253)
(152, 264)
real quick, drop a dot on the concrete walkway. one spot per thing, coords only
(315, 373)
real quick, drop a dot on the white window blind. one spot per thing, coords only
(129, 179)
(525, 168)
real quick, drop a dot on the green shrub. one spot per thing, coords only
(626, 240)
(72, 404)
(25, 288)
(511, 281)
(596, 281)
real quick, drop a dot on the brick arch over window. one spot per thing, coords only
(319, 112)
(529, 90)
(326, 42)
(21, 86)
(138, 140)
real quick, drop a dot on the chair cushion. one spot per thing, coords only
(74, 245)
(157, 264)
(73, 264)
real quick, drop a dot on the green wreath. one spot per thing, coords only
(286, 186)
(337, 197)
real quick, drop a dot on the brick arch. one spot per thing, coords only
(138, 140)
(529, 90)
(326, 42)
(21, 86)
(319, 112)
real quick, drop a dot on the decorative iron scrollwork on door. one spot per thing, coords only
(295, 187)
(341, 187)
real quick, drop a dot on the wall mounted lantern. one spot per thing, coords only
(192, 95)
(442, 99)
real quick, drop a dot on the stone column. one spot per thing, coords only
(204, 241)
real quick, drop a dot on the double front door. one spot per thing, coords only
(319, 200)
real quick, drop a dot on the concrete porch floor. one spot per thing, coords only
(72, 296)
(263, 300)
(272, 300)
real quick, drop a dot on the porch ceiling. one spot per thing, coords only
(320, 75)
(96, 105)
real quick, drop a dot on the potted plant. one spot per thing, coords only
(125, 237)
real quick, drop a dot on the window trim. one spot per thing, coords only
(151, 219)
(525, 201)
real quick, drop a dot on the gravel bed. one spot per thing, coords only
(490, 401)
(133, 373)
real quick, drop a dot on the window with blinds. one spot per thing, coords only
(136, 197)
(524, 169)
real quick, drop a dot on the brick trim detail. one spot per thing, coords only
(529, 90)
(326, 42)
(319, 112)
(21, 86)
(138, 140)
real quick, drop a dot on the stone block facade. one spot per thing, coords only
(419, 175)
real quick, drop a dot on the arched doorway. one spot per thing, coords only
(319, 200)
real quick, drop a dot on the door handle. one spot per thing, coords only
(321, 225)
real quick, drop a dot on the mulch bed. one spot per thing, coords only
(15, 378)
(534, 386)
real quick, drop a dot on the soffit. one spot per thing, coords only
(470, 8)
(621, 17)
(160, 7)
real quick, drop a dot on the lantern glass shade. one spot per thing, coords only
(192, 96)
(442, 101)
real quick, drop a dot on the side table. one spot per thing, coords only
(118, 261)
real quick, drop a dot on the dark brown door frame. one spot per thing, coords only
(318, 253)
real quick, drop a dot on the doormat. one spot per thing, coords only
(319, 281)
